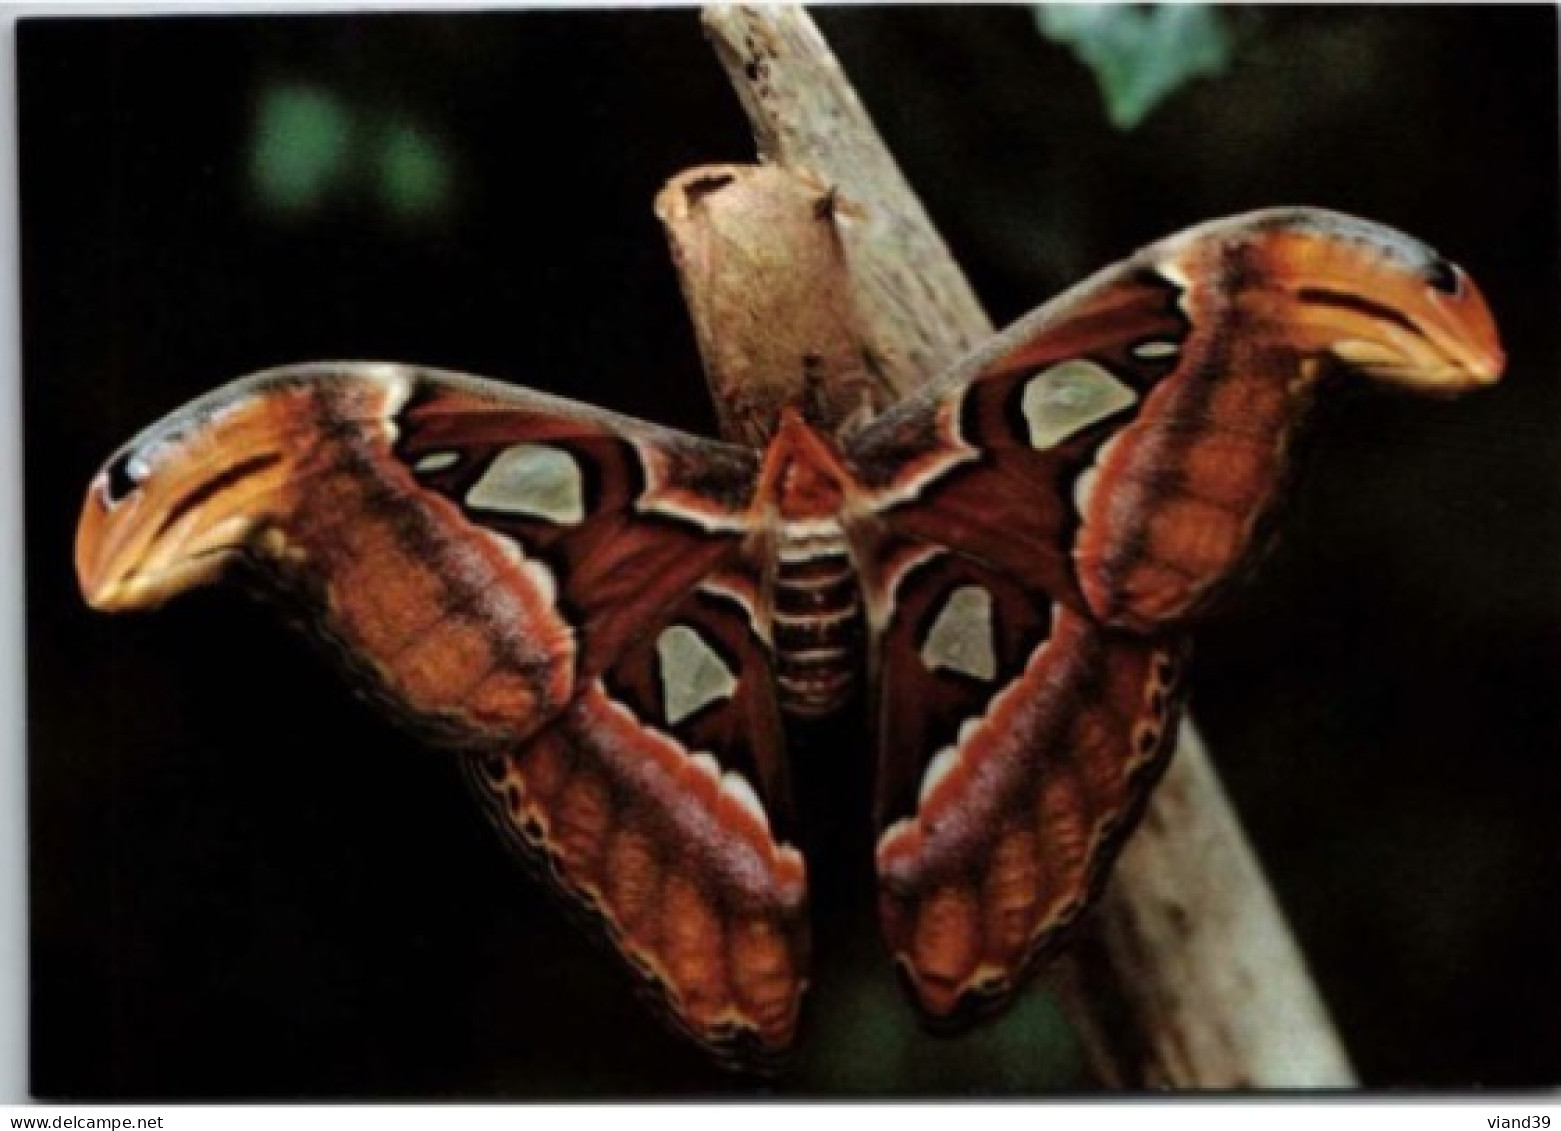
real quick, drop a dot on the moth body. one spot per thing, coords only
(817, 610)
(816, 603)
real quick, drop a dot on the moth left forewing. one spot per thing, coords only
(1018, 742)
(473, 551)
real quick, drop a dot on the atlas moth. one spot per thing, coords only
(610, 623)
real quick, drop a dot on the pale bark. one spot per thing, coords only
(917, 310)
(759, 254)
(1188, 976)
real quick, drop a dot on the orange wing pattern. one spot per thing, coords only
(1040, 528)
(555, 592)
(608, 619)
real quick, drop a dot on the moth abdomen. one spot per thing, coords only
(817, 619)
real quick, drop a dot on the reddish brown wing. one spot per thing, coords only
(563, 593)
(643, 802)
(1018, 742)
(1041, 526)
(1122, 444)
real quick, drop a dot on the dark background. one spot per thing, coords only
(246, 884)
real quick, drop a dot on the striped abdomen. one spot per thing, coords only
(818, 619)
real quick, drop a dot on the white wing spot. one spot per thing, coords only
(961, 638)
(736, 787)
(436, 461)
(1084, 488)
(532, 479)
(692, 674)
(1060, 401)
(507, 546)
(704, 762)
(542, 578)
(1151, 351)
(536, 574)
(1084, 485)
(937, 770)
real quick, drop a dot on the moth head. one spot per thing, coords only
(177, 504)
(803, 475)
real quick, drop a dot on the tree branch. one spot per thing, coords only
(917, 311)
(1188, 976)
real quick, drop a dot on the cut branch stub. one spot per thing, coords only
(918, 314)
(758, 255)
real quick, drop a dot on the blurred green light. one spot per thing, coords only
(302, 138)
(414, 171)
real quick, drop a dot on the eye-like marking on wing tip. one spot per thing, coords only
(693, 674)
(532, 479)
(215, 478)
(962, 639)
(1374, 298)
(1063, 400)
